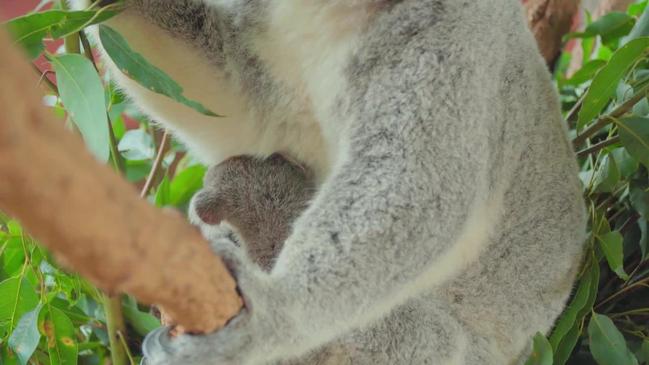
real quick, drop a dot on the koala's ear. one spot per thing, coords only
(207, 209)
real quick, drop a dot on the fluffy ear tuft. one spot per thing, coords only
(206, 209)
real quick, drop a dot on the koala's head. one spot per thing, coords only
(261, 198)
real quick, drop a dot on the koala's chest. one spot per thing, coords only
(213, 139)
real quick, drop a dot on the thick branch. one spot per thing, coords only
(93, 220)
(550, 20)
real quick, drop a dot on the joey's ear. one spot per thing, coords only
(206, 208)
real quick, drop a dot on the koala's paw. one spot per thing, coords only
(228, 346)
(245, 339)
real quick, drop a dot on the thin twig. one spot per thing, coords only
(131, 360)
(598, 147)
(148, 185)
(42, 77)
(87, 49)
(624, 291)
(605, 120)
(572, 114)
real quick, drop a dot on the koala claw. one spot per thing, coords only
(155, 344)
(226, 346)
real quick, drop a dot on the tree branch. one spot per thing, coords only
(550, 20)
(93, 220)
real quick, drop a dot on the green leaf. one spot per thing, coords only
(639, 197)
(644, 238)
(29, 30)
(25, 337)
(643, 352)
(17, 297)
(607, 176)
(637, 8)
(185, 184)
(569, 316)
(61, 344)
(82, 93)
(612, 247)
(567, 330)
(634, 134)
(607, 344)
(7, 357)
(605, 82)
(567, 345)
(136, 67)
(541, 352)
(627, 164)
(611, 26)
(641, 28)
(136, 145)
(142, 322)
(162, 195)
(586, 72)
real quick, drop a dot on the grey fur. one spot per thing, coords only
(448, 223)
(261, 198)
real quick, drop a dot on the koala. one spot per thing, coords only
(447, 223)
(260, 198)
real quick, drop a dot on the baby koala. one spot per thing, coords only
(260, 198)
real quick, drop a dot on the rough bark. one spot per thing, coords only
(93, 220)
(550, 20)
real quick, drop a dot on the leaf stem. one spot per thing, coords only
(605, 120)
(598, 147)
(148, 185)
(116, 328)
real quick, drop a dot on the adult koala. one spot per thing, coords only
(448, 223)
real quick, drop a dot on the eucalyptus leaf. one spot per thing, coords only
(639, 197)
(24, 339)
(541, 352)
(82, 94)
(136, 145)
(608, 346)
(29, 30)
(643, 352)
(607, 176)
(606, 80)
(586, 72)
(611, 26)
(163, 193)
(612, 247)
(142, 322)
(567, 330)
(17, 297)
(136, 67)
(625, 162)
(567, 345)
(641, 28)
(61, 343)
(185, 184)
(634, 134)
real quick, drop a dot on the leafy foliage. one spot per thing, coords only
(50, 316)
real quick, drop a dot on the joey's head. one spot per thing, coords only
(261, 198)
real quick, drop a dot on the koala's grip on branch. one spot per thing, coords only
(93, 220)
